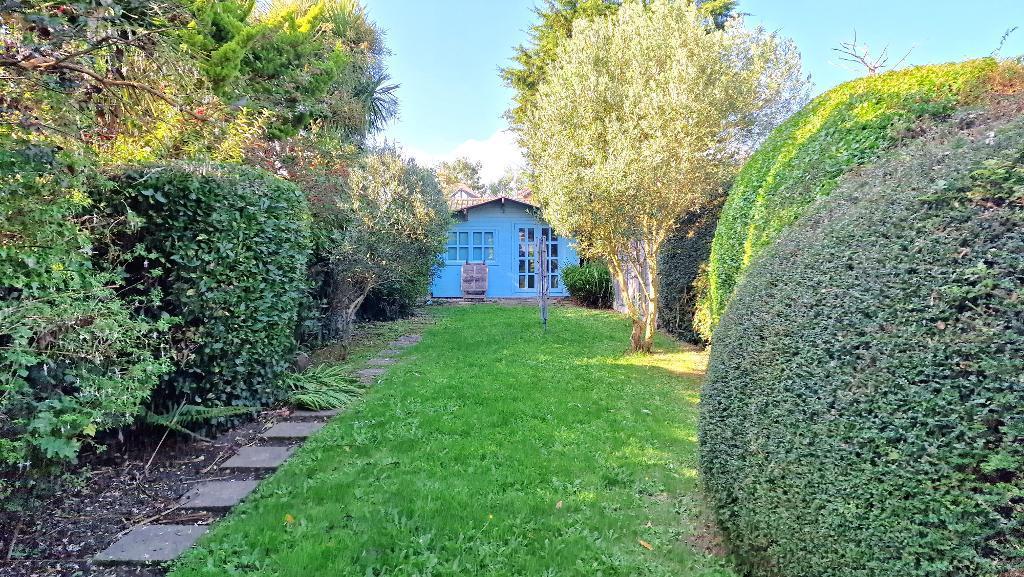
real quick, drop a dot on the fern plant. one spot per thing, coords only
(322, 387)
(186, 414)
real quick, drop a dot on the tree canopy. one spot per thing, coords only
(556, 25)
(643, 118)
(461, 171)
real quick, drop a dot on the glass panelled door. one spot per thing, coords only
(554, 277)
(527, 237)
(527, 241)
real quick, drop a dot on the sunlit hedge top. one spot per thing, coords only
(804, 158)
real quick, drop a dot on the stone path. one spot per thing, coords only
(258, 458)
(217, 495)
(149, 544)
(316, 414)
(292, 430)
(370, 375)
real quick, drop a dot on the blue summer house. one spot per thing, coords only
(502, 233)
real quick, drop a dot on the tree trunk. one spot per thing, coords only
(345, 301)
(636, 339)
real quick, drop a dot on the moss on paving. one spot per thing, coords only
(494, 449)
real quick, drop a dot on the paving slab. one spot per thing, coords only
(382, 362)
(316, 414)
(406, 341)
(292, 430)
(258, 458)
(217, 495)
(151, 544)
(368, 375)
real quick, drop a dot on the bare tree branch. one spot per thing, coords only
(853, 51)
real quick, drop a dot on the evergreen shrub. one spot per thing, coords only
(75, 359)
(224, 249)
(864, 408)
(590, 284)
(682, 265)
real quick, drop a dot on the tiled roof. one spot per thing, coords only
(466, 203)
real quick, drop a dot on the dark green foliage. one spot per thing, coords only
(682, 261)
(864, 410)
(74, 359)
(397, 299)
(228, 249)
(804, 158)
(590, 284)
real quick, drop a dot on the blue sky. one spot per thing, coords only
(446, 55)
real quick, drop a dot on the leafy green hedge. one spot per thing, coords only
(683, 260)
(74, 358)
(804, 158)
(225, 250)
(864, 410)
(590, 284)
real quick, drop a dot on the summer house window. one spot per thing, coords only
(471, 246)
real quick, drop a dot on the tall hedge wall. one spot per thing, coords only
(804, 158)
(224, 249)
(864, 410)
(683, 258)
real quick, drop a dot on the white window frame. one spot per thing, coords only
(471, 245)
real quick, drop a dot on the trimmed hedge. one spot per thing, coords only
(590, 284)
(682, 265)
(224, 249)
(804, 158)
(864, 409)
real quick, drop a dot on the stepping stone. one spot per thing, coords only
(381, 362)
(292, 430)
(151, 544)
(217, 495)
(406, 341)
(368, 375)
(316, 414)
(390, 353)
(258, 458)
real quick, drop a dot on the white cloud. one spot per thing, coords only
(498, 153)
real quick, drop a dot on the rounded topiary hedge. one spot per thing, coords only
(804, 158)
(864, 409)
(225, 250)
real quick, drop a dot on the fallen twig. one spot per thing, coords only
(10, 545)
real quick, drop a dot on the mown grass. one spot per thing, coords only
(493, 449)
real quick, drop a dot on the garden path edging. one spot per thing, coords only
(150, 544)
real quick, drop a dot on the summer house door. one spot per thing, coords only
(526, 240)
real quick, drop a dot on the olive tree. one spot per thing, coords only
(643, 117)
(386, 222)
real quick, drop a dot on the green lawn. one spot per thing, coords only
(493, 449)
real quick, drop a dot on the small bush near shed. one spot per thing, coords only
(225, 250)
(589, 284)
(864, 410)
